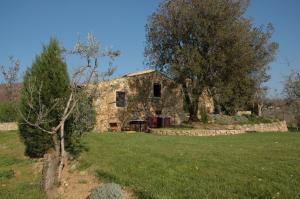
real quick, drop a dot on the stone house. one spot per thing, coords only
(143, 99)
(140, 100)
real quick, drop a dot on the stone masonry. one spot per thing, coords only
(139, 100)
(228, 130)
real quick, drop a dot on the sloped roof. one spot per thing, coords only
(142, 72)
(132, 75)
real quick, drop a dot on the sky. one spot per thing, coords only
(25, 26)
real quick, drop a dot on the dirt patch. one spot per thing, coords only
(78, 184)
(38, 166)
(129, 195)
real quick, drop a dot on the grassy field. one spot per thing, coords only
(19, 176)
(265, 165)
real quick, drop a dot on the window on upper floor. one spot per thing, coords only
(120, 99)
(157, 90)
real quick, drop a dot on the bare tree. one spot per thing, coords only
(10, 78)
(81, 86)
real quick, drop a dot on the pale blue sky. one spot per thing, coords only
(26, 25)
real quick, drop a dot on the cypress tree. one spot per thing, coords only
(49, 79)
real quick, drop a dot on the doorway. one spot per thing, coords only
(159, 122)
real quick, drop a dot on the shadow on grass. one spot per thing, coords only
(143, 195)
(109, 178)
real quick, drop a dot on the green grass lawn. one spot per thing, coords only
(19, 178)
(257, 165)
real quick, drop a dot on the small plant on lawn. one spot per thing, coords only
(107, 191)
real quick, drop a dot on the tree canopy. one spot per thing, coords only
(210, 44)
(292, 91)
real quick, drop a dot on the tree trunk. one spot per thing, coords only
(192, 103)
(193, 111)
(259, 109)
(49, 173)
(62, 152)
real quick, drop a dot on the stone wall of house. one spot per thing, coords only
(170, 104)
(9, 126)
(105, 105)
(228, 130)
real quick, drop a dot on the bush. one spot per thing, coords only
(245, 119)
(8, 112)
(203, 114)
(222, 119)
(241, 119)
(107, 191)
(253, 119)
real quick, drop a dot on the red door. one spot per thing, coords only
(167, 122)
(152, 122)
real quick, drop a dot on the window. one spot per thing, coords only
(120, 99)
(113, 125)
(156, 90)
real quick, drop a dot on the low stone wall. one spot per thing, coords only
(228, 130)
(195, 132)
(264, 127)
(9, 126)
